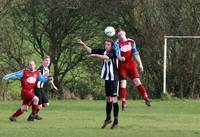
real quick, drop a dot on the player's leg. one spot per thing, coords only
(115, 112)
(38, 94)
(114, 89)
(123, 91)
(25, 105)
(123, 83)
(43, 102)
(39, 108)
(35, 101)
(20, 111)
(108, 112)
(142, 91)
(133, 73)
(108, 105)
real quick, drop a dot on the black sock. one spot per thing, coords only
(115, 112)
(108, 110)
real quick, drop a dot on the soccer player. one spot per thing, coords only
(109, 73)
(125, 50)
(39, 90)
(28, 78)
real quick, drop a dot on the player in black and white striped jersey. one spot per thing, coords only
(109, 73)
(44, 71)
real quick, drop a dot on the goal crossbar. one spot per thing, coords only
(165, 54)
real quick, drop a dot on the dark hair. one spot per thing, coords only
(45, 57)
(119, 29)
(110, 40)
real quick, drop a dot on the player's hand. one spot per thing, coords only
(53, 85)
(122, 58)
(141, 68)
(79, 41)
(46, 74)
(5, 78)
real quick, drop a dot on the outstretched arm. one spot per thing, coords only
(15, 75)
(105, 57)
(88, 49)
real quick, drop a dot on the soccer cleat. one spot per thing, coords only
(148, 102)
(106, 122)
(123, 107)
(37, 117)
(114, 126)
(13, 119)
(31, 118)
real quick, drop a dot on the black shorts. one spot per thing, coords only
(39, 92)
(111, 88)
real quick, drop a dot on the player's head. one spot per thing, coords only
(121, 34)
(108, 45)
(46, 60)
(31, 65)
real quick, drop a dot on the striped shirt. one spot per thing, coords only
(109, 69)
(45, 72)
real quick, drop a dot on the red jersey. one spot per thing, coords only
(29, 79)
(126, 49)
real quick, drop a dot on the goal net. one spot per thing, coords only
(181, 67)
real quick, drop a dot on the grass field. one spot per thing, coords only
(177, 118)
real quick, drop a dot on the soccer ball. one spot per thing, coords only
(109, 31)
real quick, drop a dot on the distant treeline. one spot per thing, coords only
(31, 28)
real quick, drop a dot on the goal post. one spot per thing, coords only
(165, 55)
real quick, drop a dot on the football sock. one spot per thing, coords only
(108, 110)
(34, 109)
(115, 112)
(123, 95)
(17, 113)
(143, 92)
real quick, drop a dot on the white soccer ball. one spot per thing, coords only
(109, 31)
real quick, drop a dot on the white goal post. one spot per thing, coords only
(165, 54)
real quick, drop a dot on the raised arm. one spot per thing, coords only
(88, 49)
(16, 75)
(104, 57)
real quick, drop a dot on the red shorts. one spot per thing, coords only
(128, 70)
(27, 97)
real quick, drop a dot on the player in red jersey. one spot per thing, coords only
(28, 78)
(125, 50)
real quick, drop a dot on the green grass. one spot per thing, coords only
(177, 118)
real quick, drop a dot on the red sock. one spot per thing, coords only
(17, 113)
(143, 92)
(123, 95)
(34, 109)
